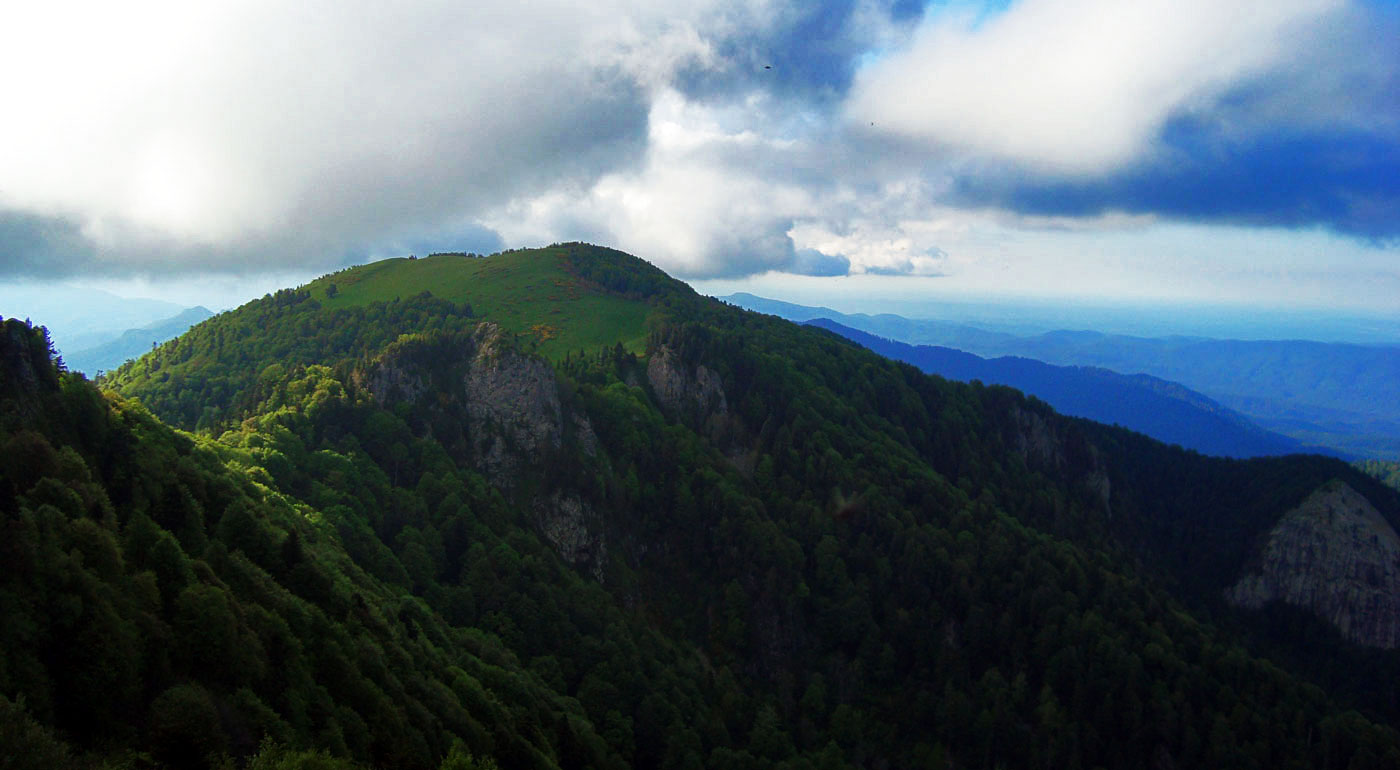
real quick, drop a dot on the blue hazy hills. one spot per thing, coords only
(1345, 397)
(1164, 410)
(132, 343)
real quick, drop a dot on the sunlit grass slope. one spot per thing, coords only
(568, 298)
(530, 292)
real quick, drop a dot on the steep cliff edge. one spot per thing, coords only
(695, 395)
(1044, 448)
(505, 407)
(1336, 556)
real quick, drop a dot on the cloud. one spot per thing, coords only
(805, 52)
(165, 139)
(1257, 113)
(1348, 181)
(33, 245)
(1071, 86)
(814, 263)
(929, 264)
(240, 135)
(707, 199)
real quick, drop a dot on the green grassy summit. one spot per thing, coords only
(534, 292)
(567, 298)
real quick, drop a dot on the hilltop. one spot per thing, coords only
(400, 528)
(558, 302)
(542, 293)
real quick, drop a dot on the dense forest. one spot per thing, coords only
(1388, 471)
(391, 534)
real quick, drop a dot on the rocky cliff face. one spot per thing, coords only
(695, 392)
(696, 396)
(1336, 556)
(513, 402)
(515, 423)
(1044, 448)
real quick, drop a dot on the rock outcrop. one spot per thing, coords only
(513, 403)
(1035, 441)
(1044, 448)
(1336, 556)
(692, 392)
(695, 395)
(515, 424)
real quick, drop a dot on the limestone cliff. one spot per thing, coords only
(1045, 448)
(693, 392)
(507, 407)
(1336, 556)
(696, 396)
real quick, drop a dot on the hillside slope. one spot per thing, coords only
(754, 545)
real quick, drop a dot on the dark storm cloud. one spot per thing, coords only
(1307, 134)
(33, 246)
(815, 263)
(1346, 181)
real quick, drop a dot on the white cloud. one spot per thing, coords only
(259, 130)
(705, 201)
(1073, 86)
(153, 138)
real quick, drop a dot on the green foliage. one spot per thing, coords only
(1388, 471)
(841, 563)
(275, 756)
(552, 296)
(222, 369)
(461, 759)
(558, 300)
(27, 745)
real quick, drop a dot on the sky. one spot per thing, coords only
(1163, 151)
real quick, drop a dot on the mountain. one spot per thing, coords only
(913, 331)
(134, 342)
(80, 318)
(553, 509)
(1342, 396)
(1163, 410)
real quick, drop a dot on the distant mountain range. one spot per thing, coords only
(81, 318)
(134, 342)
(1342, 396)
(1164, 410)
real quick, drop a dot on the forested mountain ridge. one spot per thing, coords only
(1344, 396)
(786, 552)
(133, 342)
(1164, 410)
